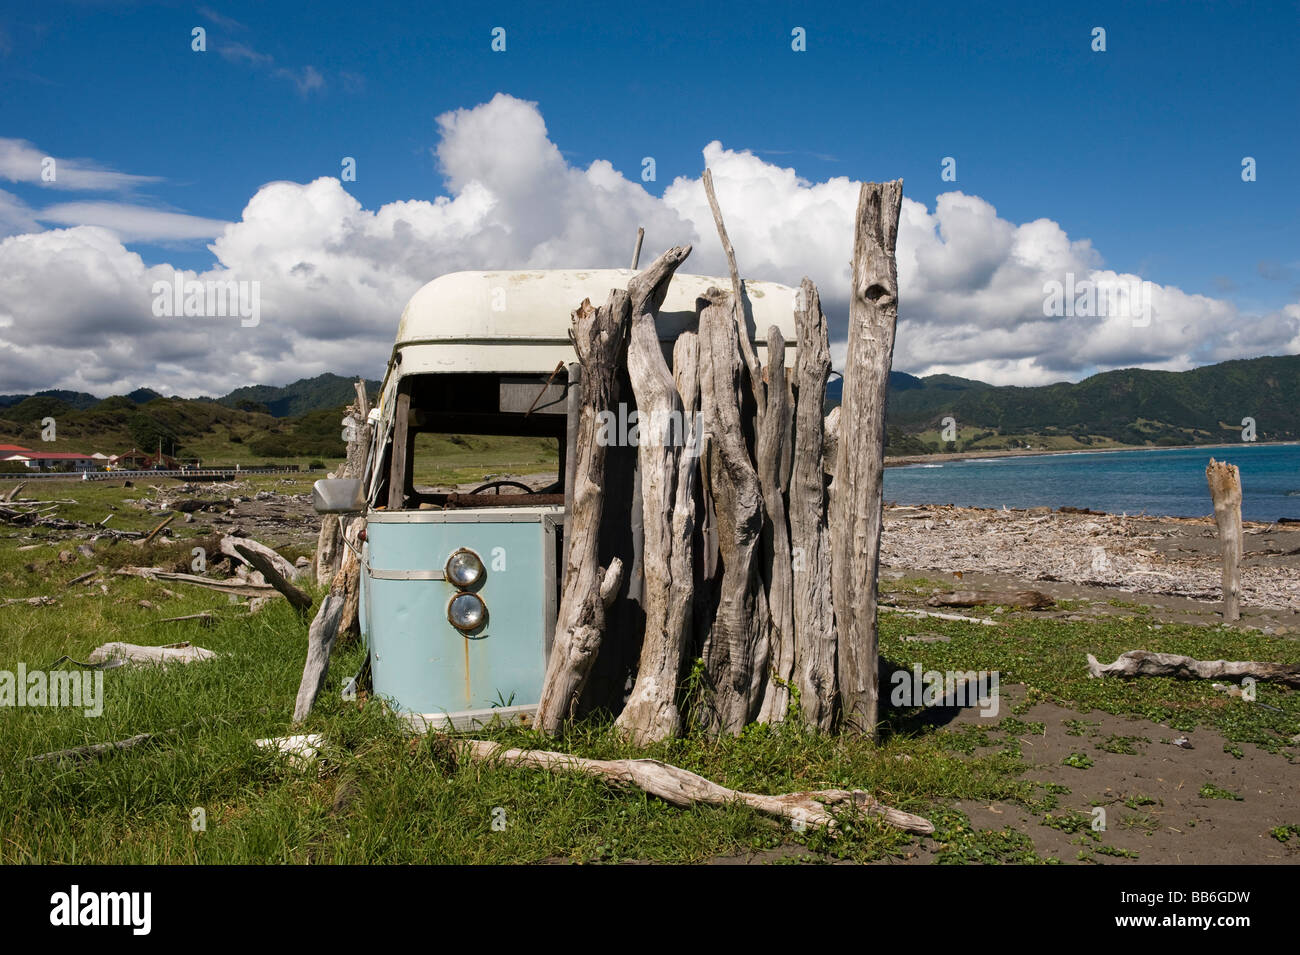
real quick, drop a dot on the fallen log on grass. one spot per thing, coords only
(683, 788)
(1019, 599)
(271, 572)
(230, 546)
(133, 653)
(100, 749)
(156, 531)
(912, 612)
(241, 588)
(1146, 663)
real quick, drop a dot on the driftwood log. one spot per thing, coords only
(271, 572)
(1225, 488)
(350, 621)
(283, 566)
(682, 788)
(774, 456)
(320, 641)
(156, 531)
(234, 585)
(1146, 663)
(598, 337)
(667, 448)
(746, 341)
(737, 648)
(856, 499)
(1020, 599)
(814, 615)
(132, 653)
(329, 552)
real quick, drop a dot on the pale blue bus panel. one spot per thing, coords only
(420, 662)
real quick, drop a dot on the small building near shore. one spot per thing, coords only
(53, 460)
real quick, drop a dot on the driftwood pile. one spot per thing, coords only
(738, 565)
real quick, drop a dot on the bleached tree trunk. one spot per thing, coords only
(814, 616)
(1225, 488)
(683, 788)
(737, 649)
(857, 498)
(598, 337)
(775, 449)
(1146, 663)
(668, 468)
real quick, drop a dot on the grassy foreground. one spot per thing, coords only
(204, 793)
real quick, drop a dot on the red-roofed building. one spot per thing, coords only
(51, 460)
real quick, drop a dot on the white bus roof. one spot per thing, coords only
(518, 321)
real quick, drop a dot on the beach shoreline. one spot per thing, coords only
(893, 461)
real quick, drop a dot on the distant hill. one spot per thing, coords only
(74, 399)
(305, 395)
(1128, 406)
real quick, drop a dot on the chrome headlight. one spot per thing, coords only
(464, 569)
(466, 611)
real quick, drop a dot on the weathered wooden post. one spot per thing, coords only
(774, 451)
(329, 557)
(669, 441)
(598, 337)
(737, 649)
(857, 493)
(814, 615)
(1225, 488)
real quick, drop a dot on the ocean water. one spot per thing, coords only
(1166, 482)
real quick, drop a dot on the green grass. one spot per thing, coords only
(379, 795)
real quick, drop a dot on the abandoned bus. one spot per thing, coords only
(459, 589)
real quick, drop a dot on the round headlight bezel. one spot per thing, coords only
(466, 624)
(457, 563)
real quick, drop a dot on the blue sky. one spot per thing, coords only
(1137, 150)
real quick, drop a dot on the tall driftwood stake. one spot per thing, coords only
(810, 542)
(1225, 488)
(320, 641)
(329, 554)
(737, 649)
(598, 336)
(350, 621)
(856, 502)
(747, 350)
(667, 450)
(775, 449)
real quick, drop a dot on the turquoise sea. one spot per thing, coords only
(1158, 481)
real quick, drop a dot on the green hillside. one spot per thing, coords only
(1129, 406)
(185, 428)
(303, 396)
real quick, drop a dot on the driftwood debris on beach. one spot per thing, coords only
(1146, 663)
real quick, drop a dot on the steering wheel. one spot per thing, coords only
(500, 484)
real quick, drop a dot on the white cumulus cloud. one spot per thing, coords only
(334, 275)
